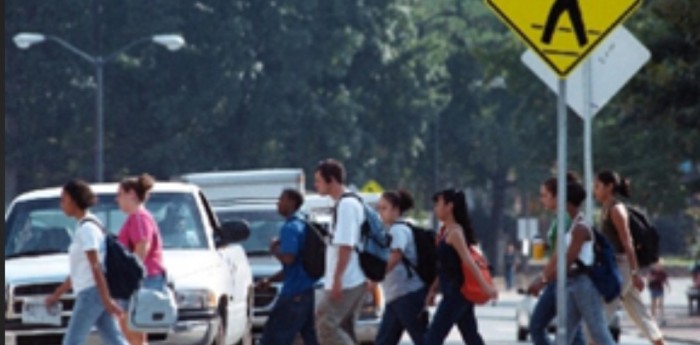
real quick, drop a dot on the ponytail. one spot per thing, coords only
(621, 186)
(459, 211)
(140, 185)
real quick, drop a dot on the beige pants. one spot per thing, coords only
(335, 320)
(631, 300)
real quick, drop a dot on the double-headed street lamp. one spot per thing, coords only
(25, 40)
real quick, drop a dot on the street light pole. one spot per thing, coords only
(26, 40)
(99, 125)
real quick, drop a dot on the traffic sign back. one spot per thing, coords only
(563, 32)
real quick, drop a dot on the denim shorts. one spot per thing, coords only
(151, 282)
(656, 293)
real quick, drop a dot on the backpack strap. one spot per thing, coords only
(96, 222)
(410, 267)
(343, 196)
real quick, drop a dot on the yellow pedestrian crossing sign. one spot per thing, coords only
(372, 186)
(563, 32)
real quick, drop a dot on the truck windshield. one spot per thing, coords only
(36, 227)
(264, 226)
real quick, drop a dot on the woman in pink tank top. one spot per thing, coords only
(140, 234)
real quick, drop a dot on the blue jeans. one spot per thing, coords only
(584, 302)
(403, 313)
(291, 315)
(545, 311)
(89, 311)
(453, 308)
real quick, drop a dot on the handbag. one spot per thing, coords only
(471, 289)
(152, 310)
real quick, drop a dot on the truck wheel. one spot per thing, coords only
(522, 334)
(615, 334)
(220, 338)
(248, 335)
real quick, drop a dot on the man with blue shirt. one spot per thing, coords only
(294, 310)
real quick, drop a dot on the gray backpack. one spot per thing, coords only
(152, 310)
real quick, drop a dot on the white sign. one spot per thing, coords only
(34, 311)
(614, 62)
(527, 228)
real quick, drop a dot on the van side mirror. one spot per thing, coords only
(233, 232)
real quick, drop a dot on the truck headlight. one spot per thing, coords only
(196, 299)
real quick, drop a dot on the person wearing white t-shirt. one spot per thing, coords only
(344, 282)
(94, 307)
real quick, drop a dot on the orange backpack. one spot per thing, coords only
(471, 289)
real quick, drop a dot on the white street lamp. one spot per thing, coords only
(172, 42)
(27, 39)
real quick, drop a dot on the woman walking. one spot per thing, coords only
(93, 305)
(140, 234)
(584, 302)
(546, 307)
(403, 288)
(455, 238)
(615, 226)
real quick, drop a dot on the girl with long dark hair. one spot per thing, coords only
(454, 240)
(609, 187)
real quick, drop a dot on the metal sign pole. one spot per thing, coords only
(587, 137)
(561, 211)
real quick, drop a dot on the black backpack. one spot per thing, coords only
(123, 270)
(313, 255)
(426, 251)
(645, 236)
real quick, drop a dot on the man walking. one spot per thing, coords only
(294, 310)
(344, 282)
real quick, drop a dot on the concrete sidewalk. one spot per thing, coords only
(681, 327)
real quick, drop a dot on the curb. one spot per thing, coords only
(681, 340)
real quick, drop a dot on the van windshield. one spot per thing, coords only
(264, 226)
(36, 227)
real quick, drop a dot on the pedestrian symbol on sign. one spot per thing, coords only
(558, 8)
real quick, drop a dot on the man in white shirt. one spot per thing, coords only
(344, 281)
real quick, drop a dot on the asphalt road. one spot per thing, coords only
(497, 322)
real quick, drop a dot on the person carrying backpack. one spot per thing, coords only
(404, 290)
(584, 300)
(94, 306)
(344, 281)
(140, 235)
(615, 227)
(293, 312)
(455, 239)
(546, 308)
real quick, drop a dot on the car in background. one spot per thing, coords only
(524, 310)
(210, 273)
(265, 223)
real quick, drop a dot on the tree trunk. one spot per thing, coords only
(498, 197)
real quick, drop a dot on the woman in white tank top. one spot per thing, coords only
(584, 302)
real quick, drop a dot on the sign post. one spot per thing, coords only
(615, 61)
(562, 44)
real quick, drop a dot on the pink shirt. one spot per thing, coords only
(140, 226)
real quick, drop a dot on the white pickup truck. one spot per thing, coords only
(210, 273)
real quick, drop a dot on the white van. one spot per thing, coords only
(246, 186)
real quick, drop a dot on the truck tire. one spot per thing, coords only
(220, 338)
(248, 335)
(522, 334)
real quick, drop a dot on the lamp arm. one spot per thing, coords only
(116, 53)
(91, 59)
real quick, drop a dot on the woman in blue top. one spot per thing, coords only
(456, 235)
(403, 288)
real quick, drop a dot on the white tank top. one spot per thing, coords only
(586, 253)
